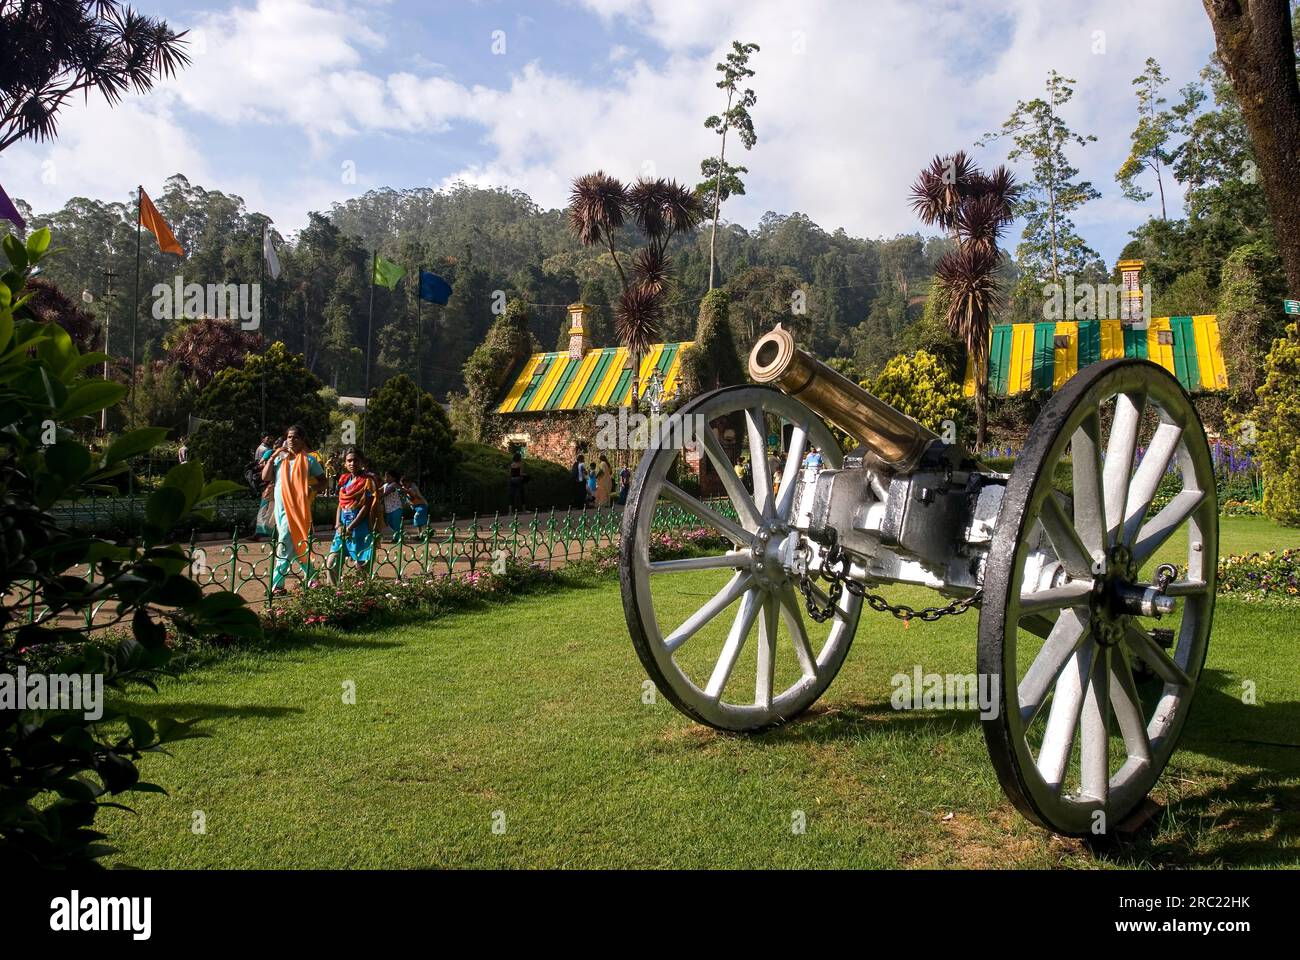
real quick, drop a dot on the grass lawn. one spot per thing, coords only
(535, 709)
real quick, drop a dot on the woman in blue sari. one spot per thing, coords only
(352, 519)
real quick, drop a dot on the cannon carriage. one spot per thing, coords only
(1092, 566)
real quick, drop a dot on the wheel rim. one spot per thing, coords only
(758, 600)
(1079, 742)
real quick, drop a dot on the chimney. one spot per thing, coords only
(579, 342)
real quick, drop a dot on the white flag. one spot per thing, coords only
(268, 251)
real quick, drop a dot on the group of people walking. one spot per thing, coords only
(595, 483)
(292, 475)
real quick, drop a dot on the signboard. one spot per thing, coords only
(1291, 306)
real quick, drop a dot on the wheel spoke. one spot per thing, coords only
(757, 429)
(726, 470)
(1148, 476)
(1086, 473)
(740, 628)
(766, 653)
(736, 559)
(710, 516)
(1067, 595)
(1063, 717)
(1127, 705)
(790, 473)
(793, 617)
(1140, 642)
(1162, 526)
(1120, 451)
(1062, 643)
(719, 602)
(1075, 554)
(1094, 749)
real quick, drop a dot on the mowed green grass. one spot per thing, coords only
(531, 718)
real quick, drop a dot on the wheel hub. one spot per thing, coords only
(1113, 583)
(767, 549)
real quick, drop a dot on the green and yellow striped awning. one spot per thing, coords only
(1042, 356)
(602, 378)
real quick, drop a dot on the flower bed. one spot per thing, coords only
(1272, 576)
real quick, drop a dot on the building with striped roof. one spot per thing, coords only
(1043, 356)
(540, 410)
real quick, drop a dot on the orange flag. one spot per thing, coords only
(152, 221)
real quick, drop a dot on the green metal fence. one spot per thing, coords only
(549, 539)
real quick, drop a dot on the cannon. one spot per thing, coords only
(1092, 566)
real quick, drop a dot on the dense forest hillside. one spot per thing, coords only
(860, 293)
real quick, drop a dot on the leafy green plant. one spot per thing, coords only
(1277, 415)
(57, 767)
(920, 387)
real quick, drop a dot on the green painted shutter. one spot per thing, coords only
(1135, 343)
(1044, 355)
(1089, 342)
(1186, 366)
(1000, 360)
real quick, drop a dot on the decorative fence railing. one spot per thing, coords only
(550, 539)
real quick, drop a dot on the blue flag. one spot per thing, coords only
(433, 288)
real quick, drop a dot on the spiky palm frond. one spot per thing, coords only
(652, 269)
(663, 207)
(939, 189)
(597, 205)
(969, 275)
(637, 318)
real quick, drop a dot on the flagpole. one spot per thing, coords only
(261, 286)
(370, 320)
(135, 312)
(419, 372)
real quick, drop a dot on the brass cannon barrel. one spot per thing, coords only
(895, 438)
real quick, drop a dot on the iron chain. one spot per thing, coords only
(840, 581)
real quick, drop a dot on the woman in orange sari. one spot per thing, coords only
(295, 473)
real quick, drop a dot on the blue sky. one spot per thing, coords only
(294, 104)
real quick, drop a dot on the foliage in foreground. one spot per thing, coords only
(58, 767)
(1278, 418)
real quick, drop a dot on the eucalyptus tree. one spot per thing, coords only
(1150, 138)
(720, 176)
(1050, 244)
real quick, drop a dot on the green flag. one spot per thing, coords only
(387, 273)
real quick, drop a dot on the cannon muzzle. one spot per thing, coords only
(896, 439)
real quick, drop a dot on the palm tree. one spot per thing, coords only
(57, 48)
(598, 206)
(974, 208)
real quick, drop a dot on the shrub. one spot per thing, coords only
(714, 360)
(57, 766)
(1277, 417)
(479, 484)
(920, 387)
(396, 440)
(235, 397)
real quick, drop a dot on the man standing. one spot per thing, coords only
(183, 453)
(580, 478)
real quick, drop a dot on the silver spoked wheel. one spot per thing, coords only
(691, 620)
(1081, 738)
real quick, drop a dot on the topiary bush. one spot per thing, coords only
(919, 386)
(1277, 420)
(395, 439)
